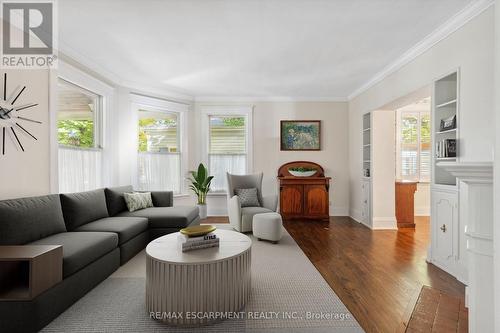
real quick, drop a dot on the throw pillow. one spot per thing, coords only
(138, 200)
(248, 197)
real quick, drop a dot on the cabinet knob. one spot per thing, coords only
(443, 228)
(366, 201)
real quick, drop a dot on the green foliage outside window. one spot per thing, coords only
(146, 123)
(234, 121)
(76, 133)
(409, 125)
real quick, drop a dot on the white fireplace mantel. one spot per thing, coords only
(471, 172)
(475, 180)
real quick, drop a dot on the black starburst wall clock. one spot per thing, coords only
(14, 126)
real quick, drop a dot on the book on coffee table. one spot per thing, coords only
(200, 242)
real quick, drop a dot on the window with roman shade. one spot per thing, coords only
(227, 147)
(159, 155)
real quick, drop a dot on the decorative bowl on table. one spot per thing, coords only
(302, 171)
(198, 230)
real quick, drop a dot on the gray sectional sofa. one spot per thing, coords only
(97, 234)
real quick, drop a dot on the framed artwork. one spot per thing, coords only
(300, 134)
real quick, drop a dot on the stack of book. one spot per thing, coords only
(199, 242)
(446, 148)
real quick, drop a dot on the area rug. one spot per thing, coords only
(288, 295)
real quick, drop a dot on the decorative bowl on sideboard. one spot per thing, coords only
(307, 173)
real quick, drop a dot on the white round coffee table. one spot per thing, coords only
(201, 286)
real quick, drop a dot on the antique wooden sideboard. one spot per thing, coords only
(304, 197)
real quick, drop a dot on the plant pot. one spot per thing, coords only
(203, 211)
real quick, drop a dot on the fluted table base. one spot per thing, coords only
(197, 293)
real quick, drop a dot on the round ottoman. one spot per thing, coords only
(267, 226)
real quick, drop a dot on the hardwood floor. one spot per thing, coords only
(377, 274)
(215, 220)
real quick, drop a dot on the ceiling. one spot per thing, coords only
(260, 48)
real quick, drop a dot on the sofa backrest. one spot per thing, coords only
(115, 200)
(25, 220)
(83, 207)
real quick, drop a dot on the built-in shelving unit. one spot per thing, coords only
(366, 145)
(367, 170)
(447, 236)
(444, 139)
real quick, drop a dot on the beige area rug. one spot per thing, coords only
(284, 284)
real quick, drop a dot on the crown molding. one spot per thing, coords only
(165, 91)
(450, 26)
(253, 99)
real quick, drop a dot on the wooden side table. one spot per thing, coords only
(28, 270)
(405, 197)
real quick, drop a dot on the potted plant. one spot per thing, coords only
(302, 171)
(200, 184)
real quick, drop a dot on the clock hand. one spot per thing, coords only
(7, 113)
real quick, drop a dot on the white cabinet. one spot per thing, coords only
(365, 205)
(445, 229)
(447, 235)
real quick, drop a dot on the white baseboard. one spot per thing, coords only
(339, 211)
(356, 216)
(384, 223)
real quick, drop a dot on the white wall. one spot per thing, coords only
(267, 157)
(471, 49)
(496, 225)
(383, 169)
(28, 173)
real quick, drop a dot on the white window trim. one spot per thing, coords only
(399, 117)
(141, 102)
(225, 110)
(79, 78)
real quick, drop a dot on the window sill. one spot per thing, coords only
(217, 194)
(182, 195)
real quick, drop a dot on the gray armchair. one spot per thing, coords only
(240, 218)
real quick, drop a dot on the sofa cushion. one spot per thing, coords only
(114, 199)
(166, 217)
(81, 248)
(28, 219)
(126, 227)
(138, 200)
(83, 207)
(248, 197)
(247, 214)
(162, 198)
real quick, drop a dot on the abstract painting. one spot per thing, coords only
(300, 135)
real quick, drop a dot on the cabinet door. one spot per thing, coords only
(291, 200)
(316, 200)
(365, 205)
(444, 222)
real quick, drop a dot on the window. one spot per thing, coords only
(77, 116)
(227, 132)
(79, 137)
(159, 160)
(415, 146)
(227, 148)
